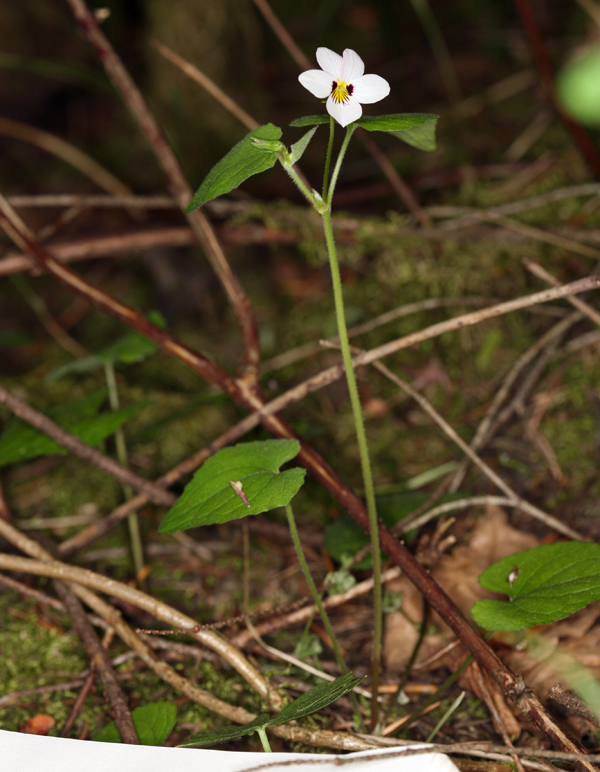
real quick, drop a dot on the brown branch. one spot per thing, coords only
(544, 65)
(537, 270)
(179, 187)
(77, 706)
(83, 450)
(100, 663)
(103, 246)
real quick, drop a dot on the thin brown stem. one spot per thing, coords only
(165, 156)
(100, 663)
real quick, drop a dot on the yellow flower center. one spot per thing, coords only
(341, 91)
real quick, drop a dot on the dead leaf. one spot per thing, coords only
(41, 723)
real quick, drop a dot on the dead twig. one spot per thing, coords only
(522, 504)
(100, 663)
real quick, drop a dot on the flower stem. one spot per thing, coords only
(262, 733)
(135, 539)
(319, 604)
(313, 588)
(361, 437)
(338, 163)
(328, 157)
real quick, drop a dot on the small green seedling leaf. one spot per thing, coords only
(300, 146)
(243, 161)
(544, 584)
(21, 442)
(153, 724)
(416, 129)
(318, 697)
(129, 349)
(252, 469)
(226, 733)
(578, 88)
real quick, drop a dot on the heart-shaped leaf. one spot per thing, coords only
(544, 584)
(578, 88)
(244, 160)
(213, 495)
(153, 724)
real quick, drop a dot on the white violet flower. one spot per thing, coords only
(341, 79)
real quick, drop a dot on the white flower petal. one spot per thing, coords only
(319, 83)
(353, 66)
(370, 88)
(329, 62)
(344, 112)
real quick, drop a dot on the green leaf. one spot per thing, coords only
(225, 734)
(243, 161)
(578, 88)
(129, 349)
(21, 442)
(153, 724)
(310, 120)
(210, 497)
(300, 146)
(317, 698)
(544, 584)
(416, 129)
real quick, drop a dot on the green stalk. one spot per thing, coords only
(328, 157)
(319, 604)
(262, 733)
(135, 539)
(360, 427)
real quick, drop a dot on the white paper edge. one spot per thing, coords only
(23, 752)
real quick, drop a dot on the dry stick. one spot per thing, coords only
(573, 704)
(581, 137)
(313, 347)
(513, 686)
(67, 152)
(103, 246)
(522, 205)
(161, 611)
(523, 505)
(498, 721)
(537, 270)
(83, 450)
(179, 187)
(195, 74)
(301, 615)
(85, 201)
(491, 423)
(395, 180)
(85, 689)
(100, 663)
